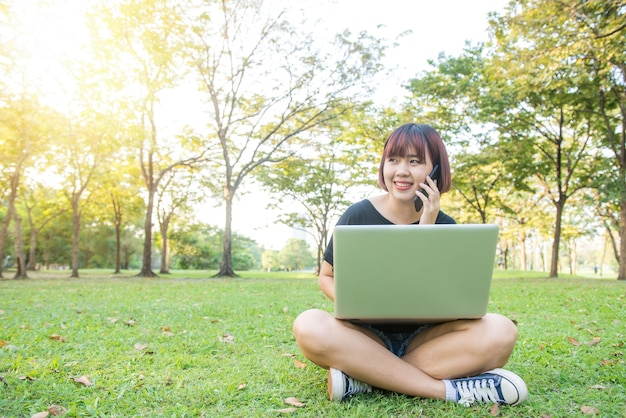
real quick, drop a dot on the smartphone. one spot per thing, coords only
(417, 201)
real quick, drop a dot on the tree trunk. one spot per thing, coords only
(75, 236)
(19, 248)
(621, 274)
(524, 254)
(3, 234)
(165, 247)
(554, 262)
(117, 211)
(226, 269)
(32, 250)
(118, 247)
(146, 267)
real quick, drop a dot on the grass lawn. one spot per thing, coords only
(190, 345)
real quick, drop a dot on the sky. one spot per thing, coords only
(437, 26)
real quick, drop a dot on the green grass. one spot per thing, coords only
(224, 347)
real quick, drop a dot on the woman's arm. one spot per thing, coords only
(326, 280)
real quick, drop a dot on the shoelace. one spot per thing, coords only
(354, 386)
(471, 391)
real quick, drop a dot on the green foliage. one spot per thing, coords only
(195, 346)
(296, 255)
(198, 246)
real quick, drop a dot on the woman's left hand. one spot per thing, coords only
(430, 210)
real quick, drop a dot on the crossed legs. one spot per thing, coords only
(445, 351)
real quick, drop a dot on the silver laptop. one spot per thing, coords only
(413, 273)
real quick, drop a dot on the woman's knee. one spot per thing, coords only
(501, 335)
(311, 325)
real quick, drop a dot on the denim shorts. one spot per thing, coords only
(397, 343)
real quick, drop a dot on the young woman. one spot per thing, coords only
(458, 360)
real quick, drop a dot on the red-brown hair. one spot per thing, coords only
(418, 138)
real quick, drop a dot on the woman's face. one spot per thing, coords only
(403, 174)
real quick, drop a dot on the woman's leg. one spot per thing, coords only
(463, 348)
(359, 353)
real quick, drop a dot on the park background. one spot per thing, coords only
(132, 130)
(158, 135)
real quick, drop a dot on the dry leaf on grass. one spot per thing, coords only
(42, 414)
(598, 387)
(3, 343)
(574, 341)
(241, 386)
(594, 341)
(227, 338)
(287, 410)
(589, 410)
(140, 347)
(495, 410)
(83, 380)
(130, 323)
(57, 337)
(294, 402)
(56, 411)
(299, 364)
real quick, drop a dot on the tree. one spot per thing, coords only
(240, 43)
(176, 196)
(270, 260)
(544, 57)
(321, 177)
(295, 255)
(42, 206)
(145, 39)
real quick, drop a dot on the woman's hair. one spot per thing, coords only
(416, 138)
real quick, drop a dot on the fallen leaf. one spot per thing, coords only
(299, 364)
(166, 329)
(285, 309)
(287, 410)
(594, 341)
(168, 334)
(294, 402)
(32, 379)
(598, 387)
(42, 414)
(56, 411)
(241, 386)
(574, 341)
(113, 320)
(84, 380)
(140, 347)
(227, 338)
(3, 343)
(495, 410)
(288, 354)
(57, 337)
(130, 322)
(589, 410)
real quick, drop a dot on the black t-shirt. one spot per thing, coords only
(364, 213)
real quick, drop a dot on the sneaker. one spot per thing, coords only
(497, 385)
(342, 386)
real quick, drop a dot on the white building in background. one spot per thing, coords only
(299, 231)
